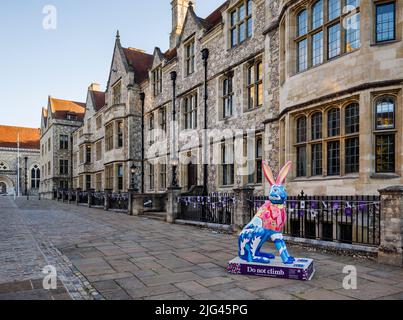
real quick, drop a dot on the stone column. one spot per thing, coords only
(108, 193)
(137, 204)
(90, 193)
(173, 208)
(241, 211)
(390, 249)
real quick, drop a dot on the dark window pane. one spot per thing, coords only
(317, 126)
(353, 155)
(333, 123)
(385, 154)
(333, 158)
(385, 22)
(352, 118)
(317, 159)
(301, 161)
(301, 130)
(385, 114)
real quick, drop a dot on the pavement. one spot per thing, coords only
(106, 255)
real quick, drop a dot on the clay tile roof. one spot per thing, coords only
(215, 17)
(170, 54)
(140, 61)
(29, 137)
(61, 108)
(99, 99)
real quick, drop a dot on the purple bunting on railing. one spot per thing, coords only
(301, 213)
(314, 205)
(348, 211)
(293, 204)
(361, 206)
(336, 206)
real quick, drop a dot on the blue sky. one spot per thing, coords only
(35, 62)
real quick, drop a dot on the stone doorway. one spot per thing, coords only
(3, 188)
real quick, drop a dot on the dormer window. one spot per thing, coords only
(190, 58)
(241, 23)
(157, 81)
(71, 117)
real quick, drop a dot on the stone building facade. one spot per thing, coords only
(59, 120)
(336, 90)
(19, 161)
(108, 143)
(317, 82)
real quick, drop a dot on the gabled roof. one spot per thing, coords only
(140, 61)
(98, 97)
(215, 17)
(61, 108)
(170, 54)
(29, 138)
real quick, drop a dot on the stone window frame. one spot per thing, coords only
(227, 94)
(98, 181)
(117, 93)
(64, 142)
(120, 126)
(162, 118)
(81, 155)
(382, 132)
(63, 167)
(375, 4)
(120, 174)
(234, 25)
(156, 80)
(163, 176)
(227, 169)
(324, 28)
(325, 139)
(253, 83)
(49, 168)
(109, 177)
(151, 176)
(254, 162)
(99, 121)
(98, 150)
(88, 181)
(151, 127)
(189, 65)
(109, 132)
(35, 175)
(88, 154)
(192, 113)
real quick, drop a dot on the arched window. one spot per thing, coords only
(301, 149)
(385, 113)
(316, 126)
(352, 118)
(301, 130)
(35, 177)
(302, 23)
(333, 122)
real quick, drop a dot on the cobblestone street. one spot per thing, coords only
(107, 255)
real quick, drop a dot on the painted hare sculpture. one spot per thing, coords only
(268, 223)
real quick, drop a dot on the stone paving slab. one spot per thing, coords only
(106, 255)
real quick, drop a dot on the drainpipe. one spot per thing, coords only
(205, 55)
(142, 98)
(174, 149)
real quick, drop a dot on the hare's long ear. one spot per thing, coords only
(268, 173)
(283, 173)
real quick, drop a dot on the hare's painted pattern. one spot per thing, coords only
(268, 223)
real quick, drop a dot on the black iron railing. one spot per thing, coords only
(83, 197)
(98, 199)
(345, 219)
(217, 208)
(119, 201)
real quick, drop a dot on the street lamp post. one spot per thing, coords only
(205, 55)
(133, 172)
(175, 160)
(26, 177)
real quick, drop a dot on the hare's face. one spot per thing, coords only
(278, 194)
